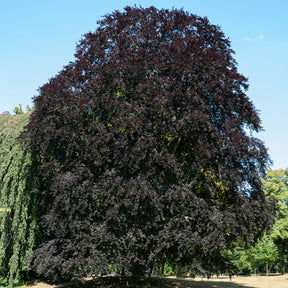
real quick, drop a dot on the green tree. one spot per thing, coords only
(140, 152)
(241, 258)
(17, 225)
(266, 252)
(276, 185)
(18, 110)
(263, 252)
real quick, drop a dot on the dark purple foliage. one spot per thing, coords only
(140, 149)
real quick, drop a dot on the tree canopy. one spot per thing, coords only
(18, 226)
(275, 184)
(140, 150)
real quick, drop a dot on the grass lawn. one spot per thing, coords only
(279, 281)
(274, 281)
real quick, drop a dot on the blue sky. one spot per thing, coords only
(39, 37)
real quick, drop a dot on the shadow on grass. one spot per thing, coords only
(207, 284)
(115, 282)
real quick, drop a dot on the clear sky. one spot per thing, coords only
(38, 37)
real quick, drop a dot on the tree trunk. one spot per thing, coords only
(283, 269)
(162, 267)
(283, 250)
(137, 269)
(267, 269)
(178, 270)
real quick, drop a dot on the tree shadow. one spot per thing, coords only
(208, 284)
(115, 282)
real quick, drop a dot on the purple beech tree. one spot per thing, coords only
(140, 149)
